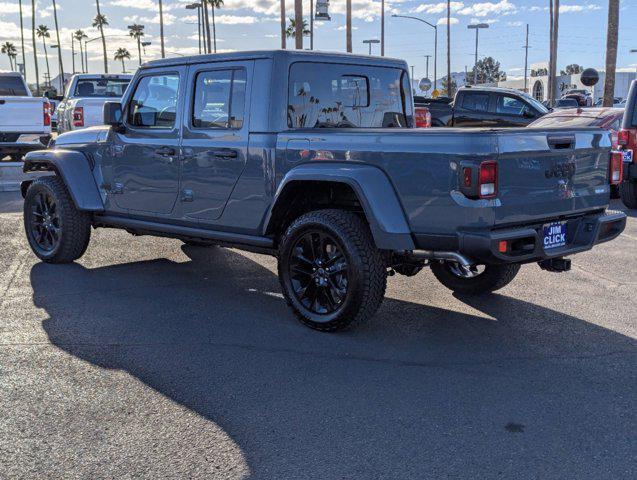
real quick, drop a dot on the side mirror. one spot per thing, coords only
(113, 114)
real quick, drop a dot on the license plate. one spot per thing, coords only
(554, 235)
(628, 156)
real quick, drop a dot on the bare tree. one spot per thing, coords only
(611, 52)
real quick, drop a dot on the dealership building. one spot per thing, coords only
(537, 83)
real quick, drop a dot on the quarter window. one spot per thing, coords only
(219, 99)
(154, 102)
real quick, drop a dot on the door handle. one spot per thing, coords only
(166, 152)
(225, 153)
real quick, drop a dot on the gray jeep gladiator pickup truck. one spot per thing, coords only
(312, 157)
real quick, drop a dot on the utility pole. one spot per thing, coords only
(283, 21)
(427, 69)
(555, 16)
(611, 52)
(348, 25)
(526, 60)
(24, 57)
(382, 28)
(73, 54)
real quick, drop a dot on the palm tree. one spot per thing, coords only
(611, 52)
(99, 21)
(24, 58)
(80, 36)
(10, 51)
(137, 32)
(214, 4)
(283, 29)
(43, 33)
(161, 28)
(290, 32)
(298, 20)
(35, 51)
(122, 54)
(57, 35)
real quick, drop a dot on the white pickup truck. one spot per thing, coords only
(84, 100)
(25, 120)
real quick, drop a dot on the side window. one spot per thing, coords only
(476, 102)
(219, 100)
(324, 95)
(154, 102)
(510, 106)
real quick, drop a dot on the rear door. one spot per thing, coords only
(144, 157)
(215, 137)
(473, 109)
(513, 112)
(549, 173)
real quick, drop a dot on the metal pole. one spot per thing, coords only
(526, 61)
(298, 24)
(475, 63)
(283, 21)
(435, 56)
(382, 28)
(199, 26)
(311, 24)
(24, 58)
(412, 72)
(86, 55)
(427, 70)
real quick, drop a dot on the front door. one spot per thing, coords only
(215, 137)
(145, 152)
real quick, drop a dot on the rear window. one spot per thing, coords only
(475, 102)
(348, 96)
(101, 87)
(12, 86)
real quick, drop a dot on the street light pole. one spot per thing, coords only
(369, 42)
(477, 28)
(634, 50)
(435, 42)
(197, 6)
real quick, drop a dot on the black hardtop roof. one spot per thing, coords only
(292, 55)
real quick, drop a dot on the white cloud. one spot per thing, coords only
(137, 4)
(443, 21)
(578, 8)
(504, 7)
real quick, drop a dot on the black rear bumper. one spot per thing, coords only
(524, 244)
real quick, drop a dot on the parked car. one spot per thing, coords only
(628, 144)
(85, 97)
(486, 107)
(313, 157)
(606, 118)
(566, 103)
(25, 120)
(583, 97)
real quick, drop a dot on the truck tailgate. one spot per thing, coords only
(21, 114)
(93, 110)
(551, 173)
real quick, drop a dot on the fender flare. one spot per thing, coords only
(74, 169)
(375, 192)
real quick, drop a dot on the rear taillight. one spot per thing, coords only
(46, 114)
(423, 117)
(623, 138)
(78, 117)
(488, 179)
(616, 165)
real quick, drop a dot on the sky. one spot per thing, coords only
(254, 25)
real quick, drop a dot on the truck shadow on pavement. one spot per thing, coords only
(510, 389)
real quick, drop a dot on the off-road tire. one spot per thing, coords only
(494, 277)
(74, 225)
(367, 273)
(628, 193)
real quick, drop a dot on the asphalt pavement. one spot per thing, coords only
(150, 359)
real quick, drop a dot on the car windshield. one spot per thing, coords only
(536, 104)
(101, 87)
